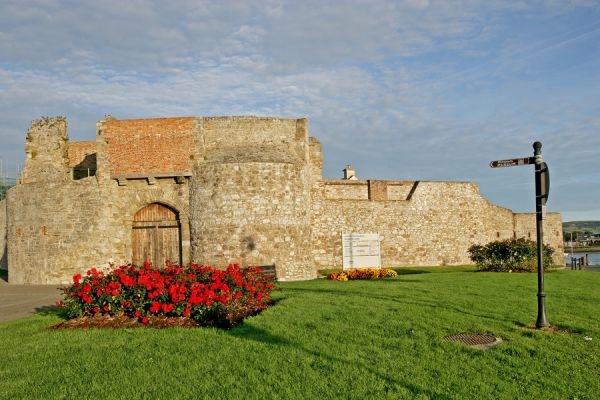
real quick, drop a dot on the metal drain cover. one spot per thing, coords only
(475, 340)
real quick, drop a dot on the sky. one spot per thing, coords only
(405, 90)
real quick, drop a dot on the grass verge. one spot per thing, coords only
(327, 339)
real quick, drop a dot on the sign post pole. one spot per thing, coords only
(542, 188)
(542, 321)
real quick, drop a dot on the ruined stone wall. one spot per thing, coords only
(249, 195)
(59, 227)
(255, 196)
(435, 224)
(316, 159)
(344, 190)
(498, 222)
(525, 227)
(54, 230)
(3, 227)
(46, 151)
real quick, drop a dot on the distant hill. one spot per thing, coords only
(582, 226)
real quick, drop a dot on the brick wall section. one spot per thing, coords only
(147, 146)
(377, 190)
(3, 242)
(80, 154)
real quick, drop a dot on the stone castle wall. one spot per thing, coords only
(48, 244)
(47, 156)
(246, 189)
(58, 228)
(249, 195)
(419, 223)
(525, 227)
(3, 242)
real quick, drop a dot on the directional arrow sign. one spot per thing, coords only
(512, 162)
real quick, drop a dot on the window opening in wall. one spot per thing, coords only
(86, 168)
(529, 235)
(83, 173)
(498, 234)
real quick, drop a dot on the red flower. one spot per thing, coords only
(187, 312)
(138, 314)
(76, 278)
(106, 308)
(155, 307)
(144, 320)
(96, 310)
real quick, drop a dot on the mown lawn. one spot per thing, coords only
(324, 339)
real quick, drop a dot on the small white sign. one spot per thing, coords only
(360, 250)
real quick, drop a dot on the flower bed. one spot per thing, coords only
(208, 296)
(362, 273)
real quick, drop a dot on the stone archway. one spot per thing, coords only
(156, 235)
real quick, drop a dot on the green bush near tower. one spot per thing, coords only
(509, 255)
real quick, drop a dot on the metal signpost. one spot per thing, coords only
(542, 188)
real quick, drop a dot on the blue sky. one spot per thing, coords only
(429, 90)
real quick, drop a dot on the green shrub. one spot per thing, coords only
(509, 255)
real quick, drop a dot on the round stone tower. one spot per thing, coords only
(249, 195)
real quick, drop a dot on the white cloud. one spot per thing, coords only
(410, 90)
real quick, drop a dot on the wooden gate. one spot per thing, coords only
(156, 236)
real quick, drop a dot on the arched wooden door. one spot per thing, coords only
(156, 236)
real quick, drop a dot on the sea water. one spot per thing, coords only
(593, 258)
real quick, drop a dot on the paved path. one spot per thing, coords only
(17, 301)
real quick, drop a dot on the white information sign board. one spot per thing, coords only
(360, 250)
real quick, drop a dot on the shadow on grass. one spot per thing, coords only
(402, 301)
(402, 271)
(48, 310)
(253, 333)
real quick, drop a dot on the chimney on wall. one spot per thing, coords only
(349, 173)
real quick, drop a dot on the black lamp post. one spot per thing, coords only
(541, 194)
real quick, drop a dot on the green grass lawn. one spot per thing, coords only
(325, 339)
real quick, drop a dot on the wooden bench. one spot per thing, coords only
(267, 270)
